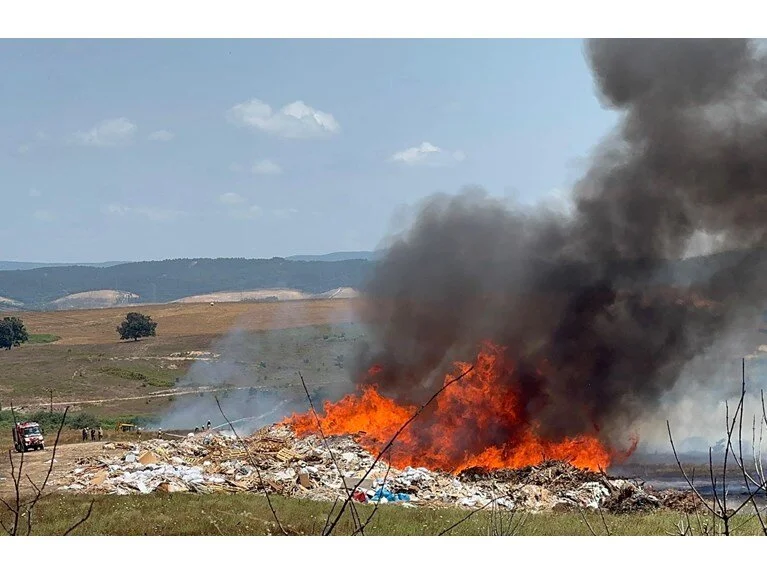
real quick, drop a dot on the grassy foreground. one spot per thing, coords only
(248, 514)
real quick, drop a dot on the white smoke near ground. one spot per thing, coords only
(255, 374)
(709, 388)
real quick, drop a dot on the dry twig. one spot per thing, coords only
(358, 527)
(81, 521)
(391, 442)
(19, 507)
(254, 465)
(719, 509)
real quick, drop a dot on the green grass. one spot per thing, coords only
(75, 420)
(85, 371)
(42, 338)
(133, 375)
(248, 514)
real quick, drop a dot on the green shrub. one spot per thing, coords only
(50, 421)
(42, 338)
(83, 419)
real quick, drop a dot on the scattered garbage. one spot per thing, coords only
(309, 468)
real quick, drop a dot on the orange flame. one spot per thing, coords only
(474, 422)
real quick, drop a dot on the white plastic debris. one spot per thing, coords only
(303, 467)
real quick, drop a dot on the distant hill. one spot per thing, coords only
(170, 280)
(336, 257)
(341, 274)
(7, 304)
(269, 295)
(12, 266)
(94, 300)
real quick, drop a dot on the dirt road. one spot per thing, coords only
(169, 393)
(153, 395)
(37, 463)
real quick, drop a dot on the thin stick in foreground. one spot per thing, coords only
(478, 509)
(82, 520)
(254, 465)
(684, 473)
(41, 489)
(355, 514)
(391, 442)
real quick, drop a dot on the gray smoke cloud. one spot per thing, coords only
(254, 372)
(589, 289)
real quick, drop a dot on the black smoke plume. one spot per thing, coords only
(595, 289)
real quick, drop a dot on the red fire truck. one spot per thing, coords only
(28, 435)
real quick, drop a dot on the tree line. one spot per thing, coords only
(168, 280)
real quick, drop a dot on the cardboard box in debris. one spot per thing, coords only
(304, 468)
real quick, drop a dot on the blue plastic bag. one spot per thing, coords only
(383, 493)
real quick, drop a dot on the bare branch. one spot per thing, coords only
(747, 479)
(81, 521)
(604, 521)
(684, 474)
(330, 514)
(467, 516)
(39, 494)
(354, 513)
(377, 503)
(391, 442)
(586, 521)
(254, 465)
(478, 509)
(713, 482)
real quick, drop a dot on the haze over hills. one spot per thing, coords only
(331, 257)
(337, 257)
(233, 279)
(13, 266)
(170, 280)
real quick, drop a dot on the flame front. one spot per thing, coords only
(474, 422)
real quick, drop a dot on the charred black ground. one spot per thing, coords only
(580, 288)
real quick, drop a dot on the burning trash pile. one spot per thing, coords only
(304, 468)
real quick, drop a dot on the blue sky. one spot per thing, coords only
(137, 150)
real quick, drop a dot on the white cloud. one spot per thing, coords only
(113, 132)
(43, 216)
(427, 154)
(34, 193)
(295, 120)
(231, 199)
(161, 136)
(154, 214)
(266, 167)
(24, 148)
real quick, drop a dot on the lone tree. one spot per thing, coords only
(137, 325)
(12, 332)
